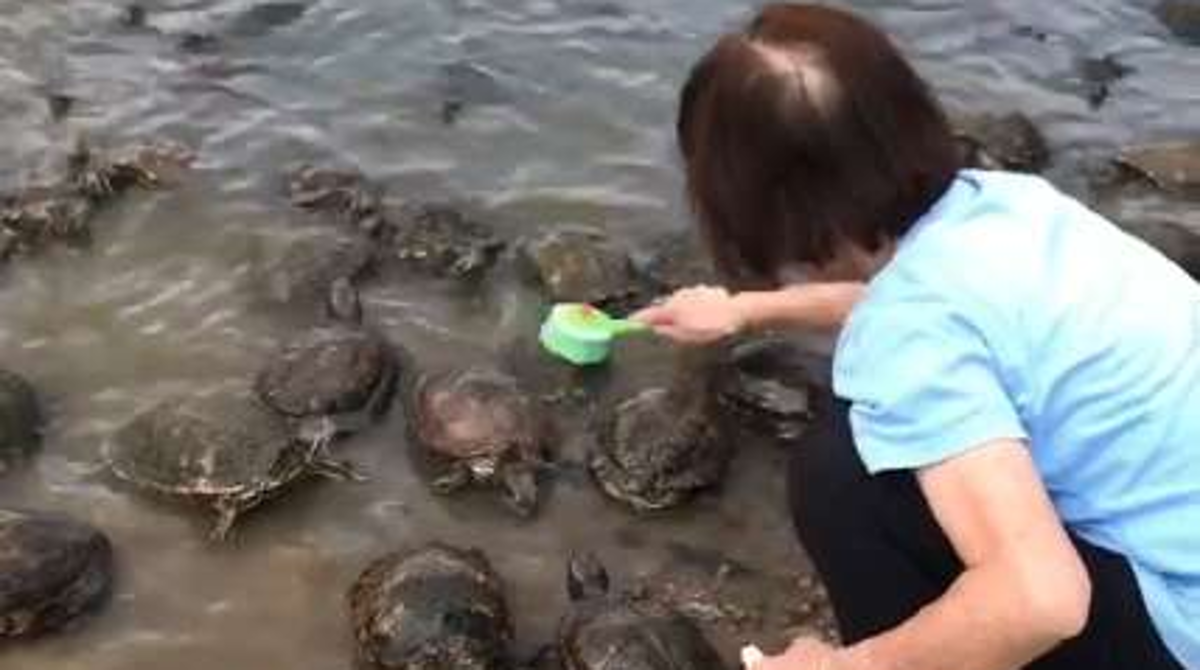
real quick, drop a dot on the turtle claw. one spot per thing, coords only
(338, 470)
(520, 489)
(226, 516)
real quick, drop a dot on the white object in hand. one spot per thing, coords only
(751, 656)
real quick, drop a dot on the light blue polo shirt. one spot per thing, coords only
(1011, 310)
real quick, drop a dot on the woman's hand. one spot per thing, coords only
(696, 315)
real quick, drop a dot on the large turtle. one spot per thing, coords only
(340, 372)
(605, 631)
(766, 386)
(346, 195)
(1171, 166)
(1182, 18)
(301, 280)
(435, 608)
(479, 425)
(20, 419)
(1001, 142)
(52, 570)
(658, 448)
(227, 451)
(583, 265)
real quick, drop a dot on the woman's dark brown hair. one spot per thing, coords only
(804, 131)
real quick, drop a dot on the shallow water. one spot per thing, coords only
(566, 118)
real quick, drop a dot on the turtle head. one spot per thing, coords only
(586, 577)
(343, 303)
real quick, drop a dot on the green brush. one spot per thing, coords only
(582, 334)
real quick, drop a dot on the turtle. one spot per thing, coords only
(1001, 142)
(300, 281)
(346, 195)
(1098, 74)
(575, 264)
(149, 164)
(340, 372)
(678, 260)
(226, 451)
(42, 216)
(1172, 166)
(1174, 240)
(766, 387)
(434, 608)
(1182, 18)
(728, 598)
(658, 448)
(53, 569)
(440, 240)
(479, 425)
(612, 631)
(20, 419)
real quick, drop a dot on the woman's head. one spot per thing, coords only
(806, 133)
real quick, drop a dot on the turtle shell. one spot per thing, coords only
(433, 608)
(330, 371)
(766, 387)
(52, 570)
(203, 446)
(1170, 167)
(440, 240)
(20, 418)
(302, 277)
(583, 265)
(654, 450)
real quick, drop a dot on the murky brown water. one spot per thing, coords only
(567, 118)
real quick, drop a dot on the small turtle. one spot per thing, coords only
(766, 387)
(1182, 18)
(1173, 167)
(729, 599)
(479, 425)
(435, 608)
(228, 452)
(20, 419)
(604, 631)
(341, 372)
(346, 195)
(53, 569)
(657, 449)
(301, 280)
(150, 164)
(440, 240)
(1001, 142)
(583, 265)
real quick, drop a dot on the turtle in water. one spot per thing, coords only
(227, 451)
(149, 165)
(301, 281)
(678, 260)
(1001, 142)
(341, 373)
(53, 569)
(435, 608)
(20, 419)
(478, 425)
(439, 239)
(605, 631)
(766, 387)
(346, 195)
(1173, 167)
(657, 449)
(583, 265)
(1182, 18)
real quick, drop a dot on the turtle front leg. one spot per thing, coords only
(332, 468)
(319, 434)
(227, 513)
(456, 477)
(520, 487)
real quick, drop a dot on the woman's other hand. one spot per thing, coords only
(697, 315)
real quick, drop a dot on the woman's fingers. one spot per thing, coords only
(653, 316)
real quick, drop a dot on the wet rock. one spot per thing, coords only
(1001, 142)
(1175, 241)
(54, 568)
(479, 426)
(433, 608)
(440, 240)
(583, 265)
(1173, 167)
(20, 419)
(612, 631)
(1098, 76)
(732, 600)
(1182, 18)
(765, 386)
(658, 449)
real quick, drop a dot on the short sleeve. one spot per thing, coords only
(923, 386)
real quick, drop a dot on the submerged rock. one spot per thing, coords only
(53, 569)
(1001, 142)
(20, 419)
(435, 608)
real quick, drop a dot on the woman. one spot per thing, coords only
(1009, 474)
